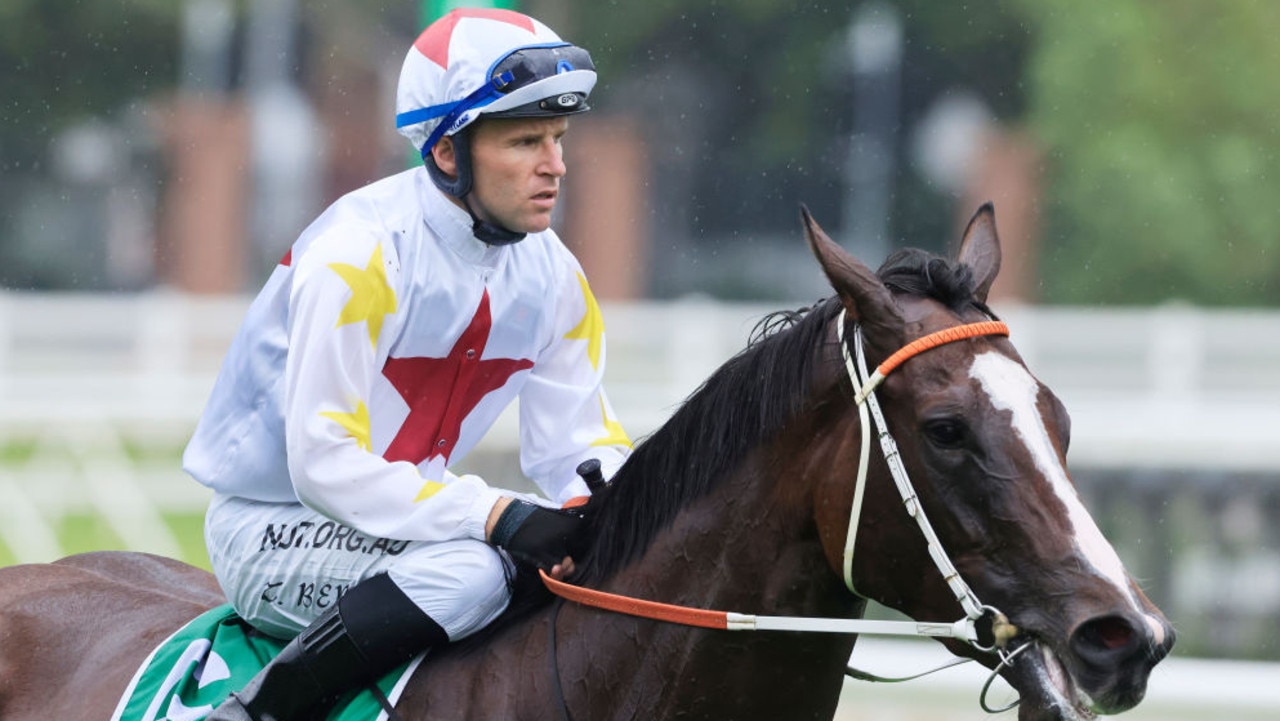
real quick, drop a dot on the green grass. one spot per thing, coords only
(17, 452)
(80, 532)
(83, 532)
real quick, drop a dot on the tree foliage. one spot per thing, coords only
(1162, 121)
(1159, 120)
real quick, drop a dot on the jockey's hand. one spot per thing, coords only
(537, 536)
(562, 570)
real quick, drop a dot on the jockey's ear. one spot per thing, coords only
(866, 300)
(445, 157)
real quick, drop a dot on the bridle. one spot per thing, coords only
(983, 627)
(864, 386)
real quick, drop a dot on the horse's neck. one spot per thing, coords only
(735, 550)
(742, 548)
(724, 551)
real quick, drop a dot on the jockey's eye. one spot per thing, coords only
(945, 432)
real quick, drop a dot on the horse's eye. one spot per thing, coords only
(947, 433)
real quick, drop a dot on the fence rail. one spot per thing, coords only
(1171, 387)
(1176, 427)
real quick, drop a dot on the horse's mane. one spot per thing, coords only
(744, 404)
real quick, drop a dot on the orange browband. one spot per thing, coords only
(942, 337)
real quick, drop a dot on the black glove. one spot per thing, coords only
(534, 535)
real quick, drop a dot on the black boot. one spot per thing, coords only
(372, 629)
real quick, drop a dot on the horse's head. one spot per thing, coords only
(984, 444)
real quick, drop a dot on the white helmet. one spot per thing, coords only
(474, 62)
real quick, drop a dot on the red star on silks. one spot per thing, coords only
(441, 392)
(434, 41)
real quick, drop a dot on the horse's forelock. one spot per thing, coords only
(921, 273)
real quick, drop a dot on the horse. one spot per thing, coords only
(744, 499)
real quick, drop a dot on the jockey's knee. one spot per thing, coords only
(462, 585)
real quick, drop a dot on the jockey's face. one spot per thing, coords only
(516, 166)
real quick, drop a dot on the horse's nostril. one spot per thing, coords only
(1113, 633)
(1105, 636)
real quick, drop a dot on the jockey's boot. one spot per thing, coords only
(371, 630)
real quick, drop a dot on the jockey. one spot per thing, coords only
(386, 343)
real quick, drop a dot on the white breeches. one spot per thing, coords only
(282, 564)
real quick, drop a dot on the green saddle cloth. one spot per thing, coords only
(192, 671)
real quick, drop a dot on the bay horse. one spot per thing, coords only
(742, 500)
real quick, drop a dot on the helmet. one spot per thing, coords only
(475, 62)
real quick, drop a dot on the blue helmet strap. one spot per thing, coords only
(482, 96)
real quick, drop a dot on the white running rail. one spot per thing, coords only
(88, 380)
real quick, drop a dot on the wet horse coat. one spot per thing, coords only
(741, 501)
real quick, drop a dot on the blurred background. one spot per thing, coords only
(157, 157)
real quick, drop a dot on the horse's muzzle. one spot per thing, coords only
(1111, 657)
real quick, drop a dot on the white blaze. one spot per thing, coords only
(1011, 388)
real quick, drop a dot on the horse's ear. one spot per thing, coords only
(865, 298)
(980, 249)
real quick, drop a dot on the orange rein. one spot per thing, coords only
(636, 606)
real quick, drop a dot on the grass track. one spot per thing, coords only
(83, 532)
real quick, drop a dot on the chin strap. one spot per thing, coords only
(489, 233)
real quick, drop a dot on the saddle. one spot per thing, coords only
(192, 671)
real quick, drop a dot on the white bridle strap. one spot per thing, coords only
(864, 455)
(864, 386)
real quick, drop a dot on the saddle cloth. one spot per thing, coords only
(193, 670)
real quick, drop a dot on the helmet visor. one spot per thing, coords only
(529, 65)
(542, 66)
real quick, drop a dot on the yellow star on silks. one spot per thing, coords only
(372, 299)
(429, 489)
(615, 435)
(357, 424)
(591, 327)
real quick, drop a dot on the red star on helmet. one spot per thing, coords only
(433, 43)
